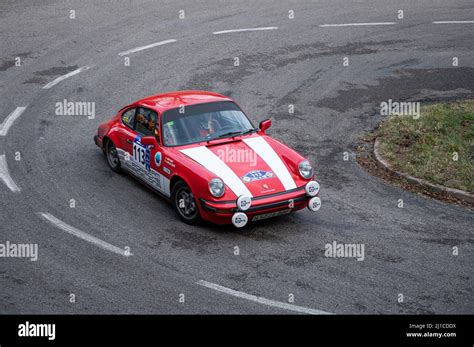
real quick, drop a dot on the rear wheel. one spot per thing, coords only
(185, 204)
(112, 156)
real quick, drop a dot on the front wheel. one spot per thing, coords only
(112, 156)
(185, 204)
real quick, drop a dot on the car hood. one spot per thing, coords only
(255, 165)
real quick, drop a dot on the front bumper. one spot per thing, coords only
(221, 212)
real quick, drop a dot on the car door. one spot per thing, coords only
(133, 154)
(148, 158)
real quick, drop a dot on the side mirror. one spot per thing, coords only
(264, 125)
(149, 141)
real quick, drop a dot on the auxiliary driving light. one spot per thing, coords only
(244, 202)
(239, 219)
(314, 204)
(312, 188)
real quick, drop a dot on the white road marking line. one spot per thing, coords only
(355, 24)
(454, 22)
(8, 122)
(142, 48)
(63, 77)
(82, 235)
(5, 175)
(241, 30)
(261, 300)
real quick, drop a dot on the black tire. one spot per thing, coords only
(185, 204)
(112, 156)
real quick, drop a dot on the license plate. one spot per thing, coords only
(270, 215)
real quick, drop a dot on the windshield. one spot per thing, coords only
(203, 122)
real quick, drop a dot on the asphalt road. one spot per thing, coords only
(408, 250)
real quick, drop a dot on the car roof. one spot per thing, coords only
(166, 101)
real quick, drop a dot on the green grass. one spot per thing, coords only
(425, 147)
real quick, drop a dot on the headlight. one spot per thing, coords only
(306, 170)
(216, 187)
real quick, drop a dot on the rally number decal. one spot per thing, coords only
(141, 155)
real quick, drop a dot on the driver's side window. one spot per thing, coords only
(147, 122)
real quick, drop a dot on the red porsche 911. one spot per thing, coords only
(199, 150)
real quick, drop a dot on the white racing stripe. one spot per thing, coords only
(8, 122)
(214, 164)
(355, 24)
(82, 235)
(454, 22)
(266, 152)
(63, 77)
(142, 48)
(241, 30)
(261, 300)
(5, 175)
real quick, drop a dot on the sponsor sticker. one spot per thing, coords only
(170, 162)
(158, 158)
(257, 175)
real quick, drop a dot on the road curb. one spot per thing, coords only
(435, 188)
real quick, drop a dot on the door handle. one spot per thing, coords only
(129, 141)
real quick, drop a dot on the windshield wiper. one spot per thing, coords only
(235, 133)
(249, 131)
(230, 133)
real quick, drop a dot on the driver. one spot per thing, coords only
(146, 120)
(209, 125)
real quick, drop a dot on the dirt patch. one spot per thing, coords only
(56, 71)
(5, 64)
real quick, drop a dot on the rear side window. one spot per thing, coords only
(128, 117)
